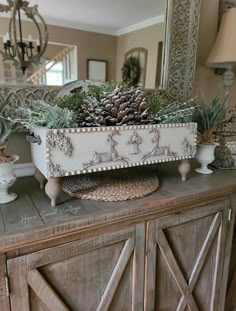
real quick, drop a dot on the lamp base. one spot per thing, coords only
(228, 78)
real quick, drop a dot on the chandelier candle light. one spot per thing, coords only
(22, 52)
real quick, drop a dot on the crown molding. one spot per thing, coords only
(68, 24)
(103, 30)
(148, 22)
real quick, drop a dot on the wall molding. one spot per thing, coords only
(24, 169)
(149, 22)
(103, 30)
(83, 27)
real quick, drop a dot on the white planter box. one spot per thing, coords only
(65, 152)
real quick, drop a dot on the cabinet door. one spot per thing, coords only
(185, 259)
(4, 292)
(104, 272)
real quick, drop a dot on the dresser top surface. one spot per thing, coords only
(31, 218)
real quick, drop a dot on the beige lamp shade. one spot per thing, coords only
(223, 54)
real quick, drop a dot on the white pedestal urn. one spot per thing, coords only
(205, 155)
(7, 179)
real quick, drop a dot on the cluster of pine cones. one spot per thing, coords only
(119, 107)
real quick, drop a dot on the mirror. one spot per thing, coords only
(179, 52)
(93, 30)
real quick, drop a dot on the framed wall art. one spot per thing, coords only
(97, 70)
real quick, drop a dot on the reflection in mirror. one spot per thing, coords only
(92, 30)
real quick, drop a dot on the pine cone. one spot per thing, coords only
(119, 107)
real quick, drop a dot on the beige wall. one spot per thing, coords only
(89, 45)
(147, 38)
(18, 145)
(206, 80)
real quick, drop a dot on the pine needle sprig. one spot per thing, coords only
(176, 112)
(72, 102)
(40, 113)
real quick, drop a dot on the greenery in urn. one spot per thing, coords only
(209, 117)
(6, 129)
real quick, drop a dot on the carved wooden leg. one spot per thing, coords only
(184, 169)
(53, 188)
(40, 178)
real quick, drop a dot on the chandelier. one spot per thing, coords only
(23, 52)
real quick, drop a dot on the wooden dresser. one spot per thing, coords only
(169, 251)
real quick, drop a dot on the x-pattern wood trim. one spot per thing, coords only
(116, 275)
(45, 292)
(201, 258)
(187, 289)
(53, 301)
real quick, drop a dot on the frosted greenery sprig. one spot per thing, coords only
(176, 112)
(40, 113)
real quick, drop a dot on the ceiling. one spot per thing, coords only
(108, 16)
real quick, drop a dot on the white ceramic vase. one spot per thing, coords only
(7, 179)
(205, 155)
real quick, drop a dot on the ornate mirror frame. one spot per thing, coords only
(179, 60)
(180, 48)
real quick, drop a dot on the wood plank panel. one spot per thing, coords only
(189, 245)
(187, 216)
(45, 292)
(150, 267)
(231, 297)
(227, 259)
(175, 270)
(16, 218)
(2, 227)
(220, 251)
(123, 295)
(67, 207)
(81, 280)
(116, 276)
(58, 253)
(80, 263)
(82, 266)
(138, 268)
(173, 196)
(19, 289)
(4, 295)
(204, 252)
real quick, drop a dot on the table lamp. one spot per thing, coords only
(223, 54)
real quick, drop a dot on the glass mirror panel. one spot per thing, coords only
(80, 30)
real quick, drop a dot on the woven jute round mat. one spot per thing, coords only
(111, 186)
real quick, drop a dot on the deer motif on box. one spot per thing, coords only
(156, 149)
(110, 156)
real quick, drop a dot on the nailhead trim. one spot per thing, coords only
(119, 128)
